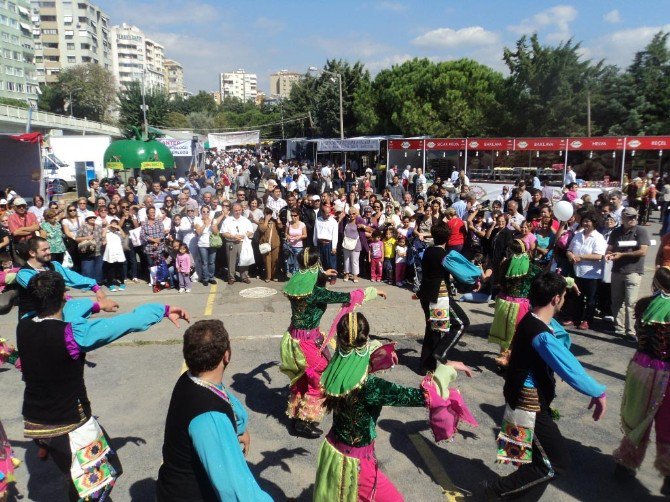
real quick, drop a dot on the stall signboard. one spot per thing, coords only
(405, 144)
(347, 145)
(648, 143)
(445, 144)
(539, 144)
(603, 143)
(178, 147)
(490, 144)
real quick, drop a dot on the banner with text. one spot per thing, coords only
(178, 147)
(347, 145)
(225, 139)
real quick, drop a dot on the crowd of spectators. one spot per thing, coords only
(246, 217)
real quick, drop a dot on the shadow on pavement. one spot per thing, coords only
(463, 472)
(145, 489)
(273, 459)
(260, 397)
(411, 362)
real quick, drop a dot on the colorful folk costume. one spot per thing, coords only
(347, 468)
(646, 397)
(56, 409)
(8, 462)
(445, 321)
(512, 303)
(529, 437)
(304, 355)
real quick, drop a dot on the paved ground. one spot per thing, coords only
(130, 384)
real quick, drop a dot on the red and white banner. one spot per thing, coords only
(445, 144)
(543, 144)
(648, 143)
(405, 144)
(604, 143)
(490, 144)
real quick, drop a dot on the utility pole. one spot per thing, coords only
(144, 109)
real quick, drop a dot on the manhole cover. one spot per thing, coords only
(257, 292)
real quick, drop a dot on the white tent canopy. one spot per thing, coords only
(225, 139)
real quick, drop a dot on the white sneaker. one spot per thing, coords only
(181, 290)
(188, 290)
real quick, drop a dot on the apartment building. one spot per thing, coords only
(238, 84)
(174, 78)
(67, 33)
(17, 67)
(135, 56)
(282, 81)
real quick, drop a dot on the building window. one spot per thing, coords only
(67, 19)
(70, 46)
(48, 18)
(50, 32)
(85, 47)
(11, 86)
(71, 59)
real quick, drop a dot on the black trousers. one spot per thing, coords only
(585, 304)
(59, 450)
(531, 480)
(436, 345)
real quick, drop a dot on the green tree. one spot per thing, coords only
(650, 96)
(176, 120)
(319, 96)
(92, 89)
(453, 98)
(202, 102)
(201, 122)
(547, 89)
(130, 106)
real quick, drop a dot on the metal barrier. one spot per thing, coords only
(52, 120)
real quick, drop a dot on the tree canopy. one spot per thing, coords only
(545, 94)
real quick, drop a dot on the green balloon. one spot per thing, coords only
(138, 154)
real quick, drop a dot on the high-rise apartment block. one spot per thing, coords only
(238, 84)
(134, 57)
(281, 83)
(174, 78)
(17, 68)
(68, 33)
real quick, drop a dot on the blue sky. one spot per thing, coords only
(265, 36)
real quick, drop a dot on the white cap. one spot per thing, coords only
(181, 180)
(20, 201)
(578, 201)
(3, 202)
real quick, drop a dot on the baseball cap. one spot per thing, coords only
(90, 215)
(181, 180)
(20, 201)
(3, 202)
(578, 201)
(315, 197)
(629, 211)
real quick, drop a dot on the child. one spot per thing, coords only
(114, 256)
(376, 256)
(183, 267)
(162, 272)
(400, 261)
(389, 254)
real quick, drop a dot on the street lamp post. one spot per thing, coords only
(339, 81)
(71, 102)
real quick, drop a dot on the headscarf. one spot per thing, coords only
(519, 264)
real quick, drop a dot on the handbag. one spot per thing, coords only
(266, 247)
(215, 240)
(349, 243)
(246, 256)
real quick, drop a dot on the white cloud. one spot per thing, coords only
(269, 26)
(444, 38)
(612, 16)
(378, 65)
(390, 6)
(620, 46)
(557, 19)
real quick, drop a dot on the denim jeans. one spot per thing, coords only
(208, 259)
(292, 258)
(92, 267)
(328, 259)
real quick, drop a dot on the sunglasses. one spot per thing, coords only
(294, 214)
(71, 210)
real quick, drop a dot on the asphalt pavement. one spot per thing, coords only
(130, 383)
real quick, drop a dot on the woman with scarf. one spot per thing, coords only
(512, 302)
(646, 397)
(304, 353)
(347, 468)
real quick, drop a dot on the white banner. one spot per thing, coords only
(226, 139)
(347, 145)
(178, 147)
